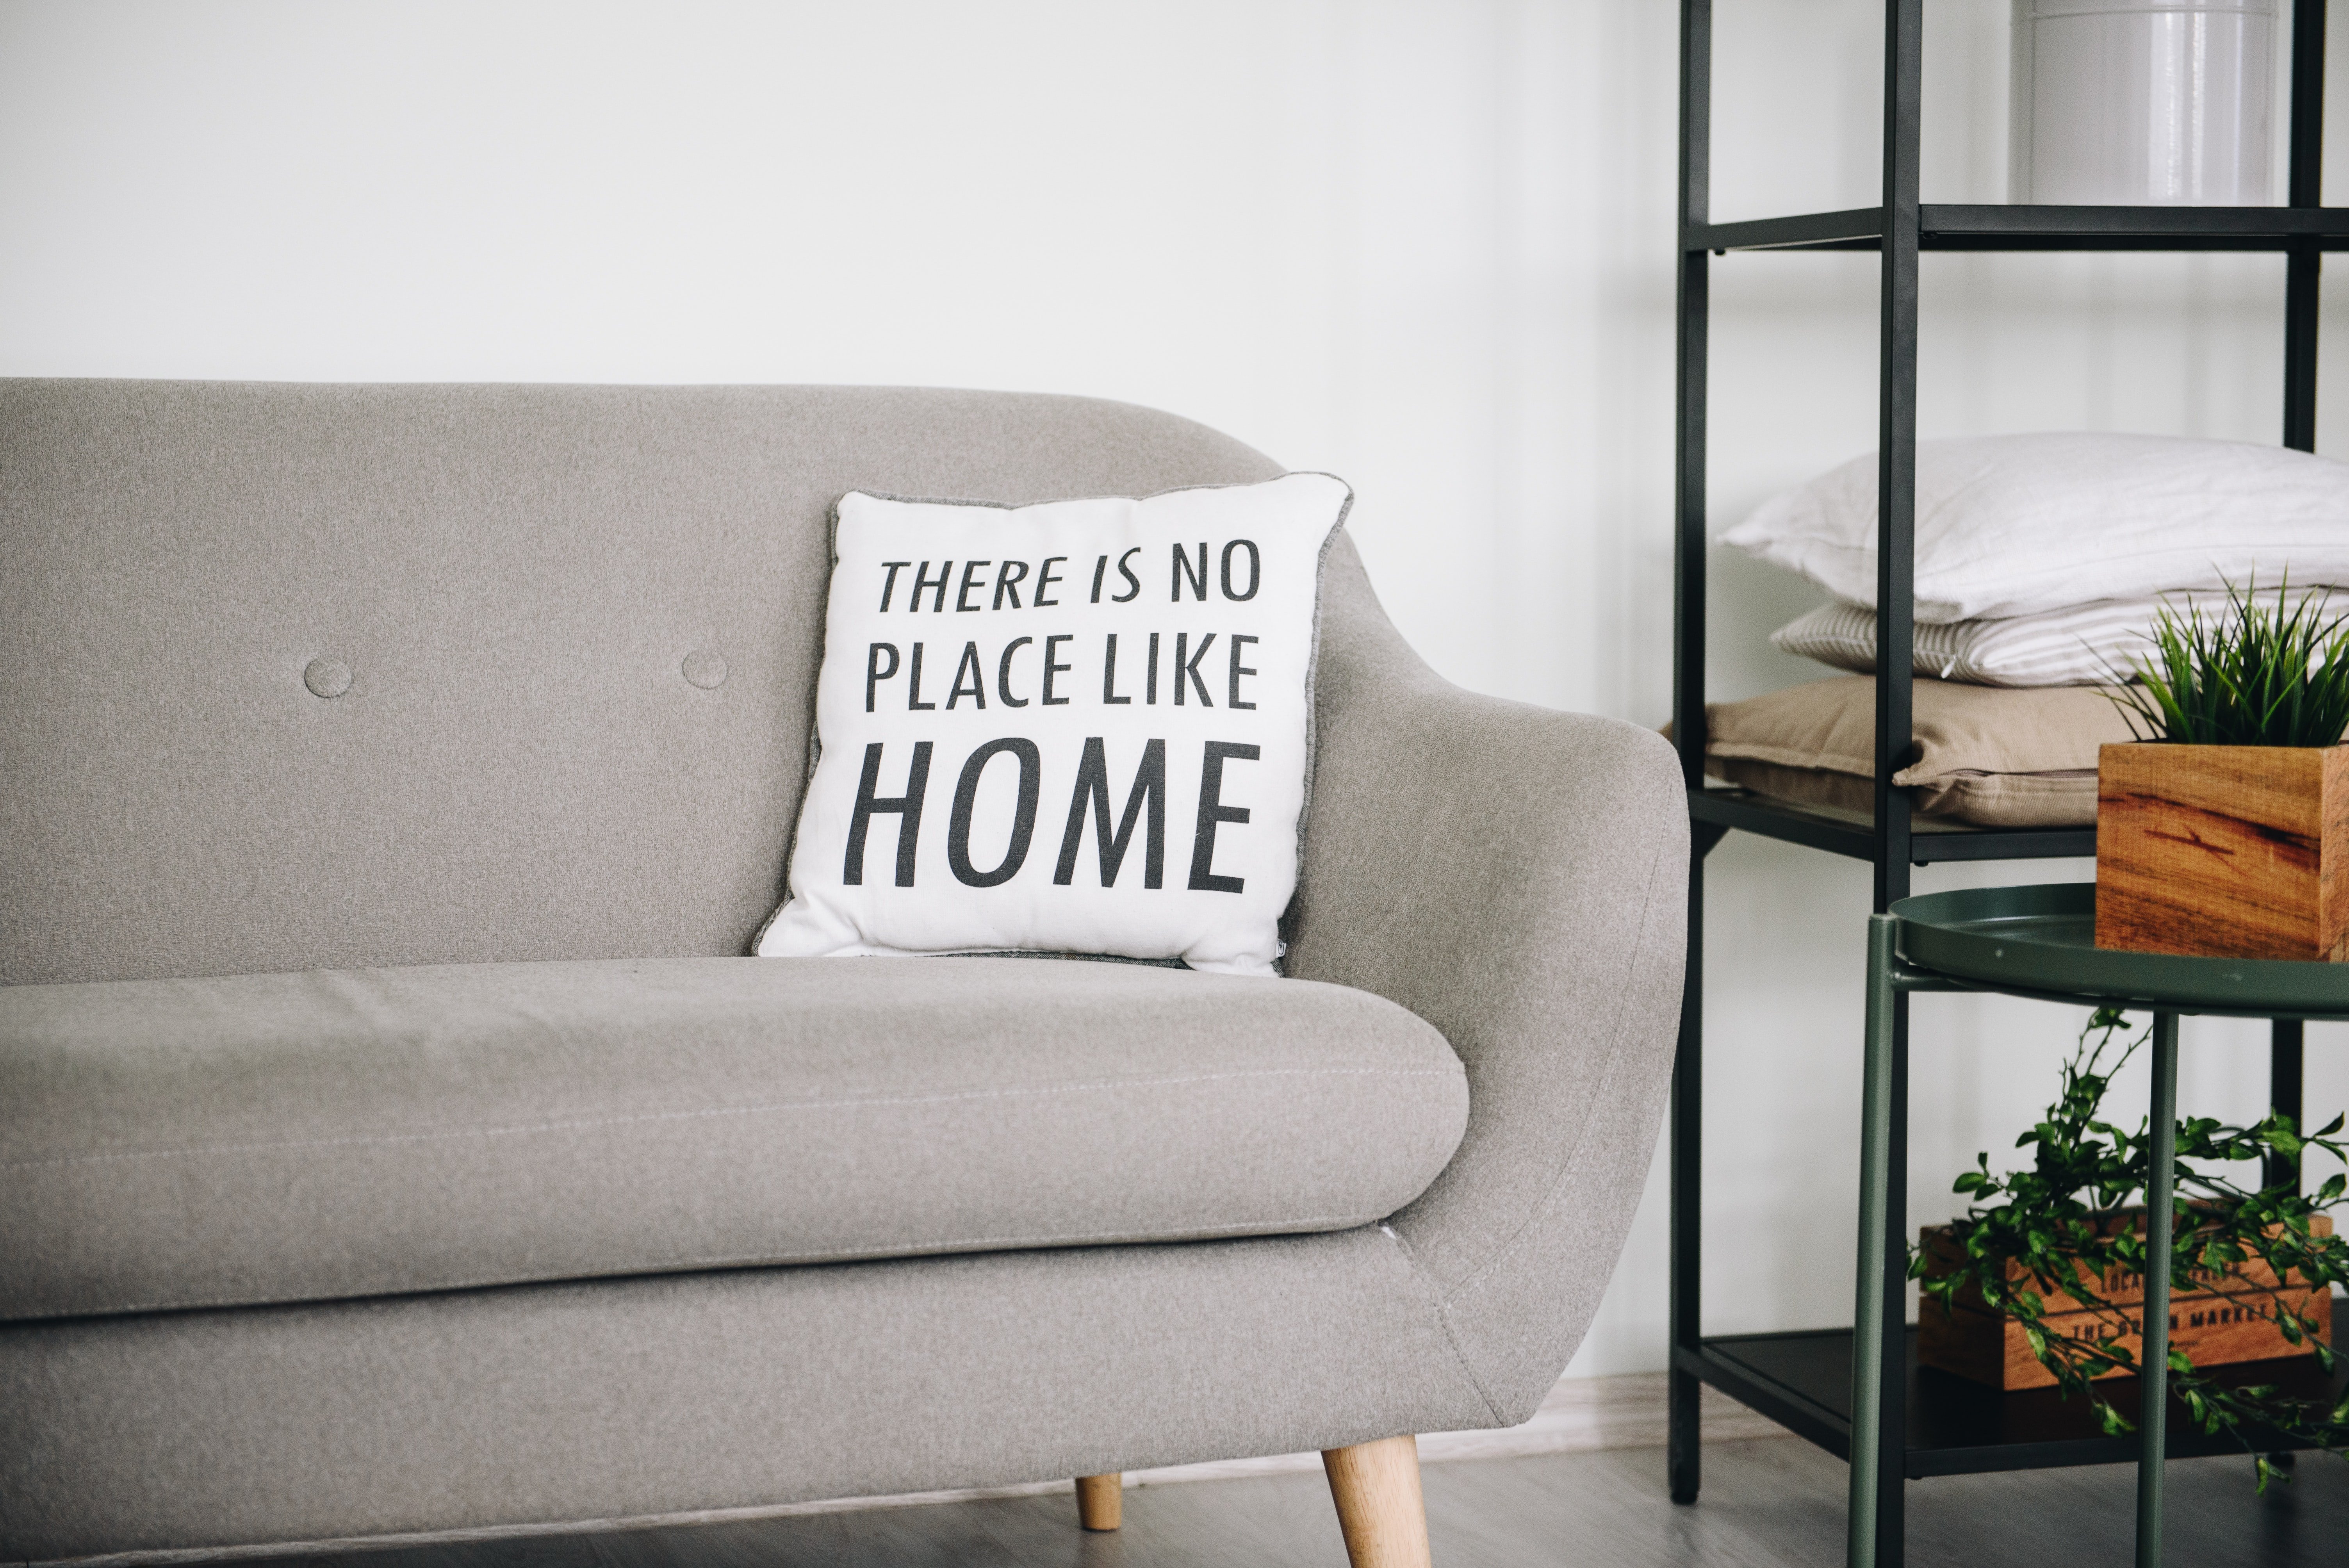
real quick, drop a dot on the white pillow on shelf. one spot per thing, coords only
(1078, 727)
(2020, 525)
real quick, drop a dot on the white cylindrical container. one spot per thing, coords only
(2143, 102)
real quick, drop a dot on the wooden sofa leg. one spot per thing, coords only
(1376, 1488)
(1100, 1500)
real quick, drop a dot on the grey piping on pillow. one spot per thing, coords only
(1313, 669)
(1312, 665)
(1312, 721)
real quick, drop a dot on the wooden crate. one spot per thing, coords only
(2228, 1322)
(2231, 852)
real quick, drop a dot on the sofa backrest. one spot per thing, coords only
(301, 676)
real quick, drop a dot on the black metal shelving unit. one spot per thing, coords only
(1934, 1425)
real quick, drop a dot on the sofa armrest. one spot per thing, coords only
(1518, 878)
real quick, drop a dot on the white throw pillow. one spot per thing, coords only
(2017, 525)
(1077, 726)
(2085, 644)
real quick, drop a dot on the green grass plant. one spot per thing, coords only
(2250, 675)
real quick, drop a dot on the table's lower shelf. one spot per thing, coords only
(1802, 1380)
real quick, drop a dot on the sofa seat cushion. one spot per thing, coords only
(285, 1137)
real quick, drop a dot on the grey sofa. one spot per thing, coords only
(393, 1139)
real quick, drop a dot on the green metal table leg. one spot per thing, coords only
(2153, 1410)
(1869, 1325)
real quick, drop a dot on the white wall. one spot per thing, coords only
(1427, 246)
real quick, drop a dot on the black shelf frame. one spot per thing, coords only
(1985, 228)
(1715, 811)
(1898, 231)
(1802, 1380)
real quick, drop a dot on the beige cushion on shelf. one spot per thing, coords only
(1991, 756)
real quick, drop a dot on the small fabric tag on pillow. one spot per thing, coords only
(1078, 727)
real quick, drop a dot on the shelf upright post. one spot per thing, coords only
(2303, 257)
(2153, 1316)
(2284, 1091)
(1896, 508)
(2303, 279)
(1688, 721)
(1875, 1315)
(1896, 458)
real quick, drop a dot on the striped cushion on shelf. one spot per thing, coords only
(2085, 644)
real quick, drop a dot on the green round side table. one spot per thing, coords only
(2037, 942)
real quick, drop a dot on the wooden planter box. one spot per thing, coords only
(2228, 1322)
(2226, 851)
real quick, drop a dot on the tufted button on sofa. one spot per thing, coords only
(394, 1139)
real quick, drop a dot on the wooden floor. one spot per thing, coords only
(1774, 1503)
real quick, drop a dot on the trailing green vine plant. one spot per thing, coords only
(2061, 1221)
